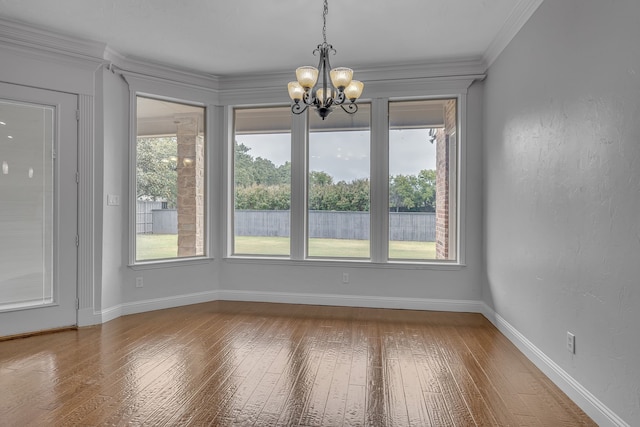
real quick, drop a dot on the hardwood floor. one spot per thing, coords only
(246, 364)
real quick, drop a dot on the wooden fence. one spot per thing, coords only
(403, 226)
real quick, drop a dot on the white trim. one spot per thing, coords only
(597, 410)
(88, 317)
(26, 37)
(379, 179)
(520, 14)
(415, 70)
(299, 186)
(345, 262)
(465, 306)
(168, 302)
(86, 203)
(172, 90)
(133, 66)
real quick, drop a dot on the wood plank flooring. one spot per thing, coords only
(258, 364)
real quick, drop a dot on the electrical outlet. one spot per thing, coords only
(113, 200)
(571, 343)
(139, 282)
(345, 278)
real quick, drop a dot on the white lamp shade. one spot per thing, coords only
(307, 76)
(296, 91)
(322, 97)
(354, 90)
(341, 77)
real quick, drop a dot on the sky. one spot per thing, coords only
(346, 155)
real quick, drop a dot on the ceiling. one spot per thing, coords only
(234, 37)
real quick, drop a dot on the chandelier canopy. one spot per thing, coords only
(324, 96)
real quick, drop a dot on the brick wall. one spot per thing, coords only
(190, 170)
(443, 151)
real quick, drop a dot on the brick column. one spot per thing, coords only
(190, 168)
(442, 179)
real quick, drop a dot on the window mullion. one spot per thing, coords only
(379, 187)
(299, 139)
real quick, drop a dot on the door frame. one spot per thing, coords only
(63, 312)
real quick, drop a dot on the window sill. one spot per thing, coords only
(400, 265)
(169, 263)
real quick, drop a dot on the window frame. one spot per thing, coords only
(230, 212)
(452, 212)
(307, 172)
(166, 91)
(379, 193)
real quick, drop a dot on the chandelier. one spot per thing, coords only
(307, 91)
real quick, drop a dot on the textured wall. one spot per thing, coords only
(562, 191)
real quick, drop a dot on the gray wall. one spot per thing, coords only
(562, 191)
(113, 149)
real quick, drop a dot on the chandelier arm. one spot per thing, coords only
(350, 108)
(340, 98)
(308, 98)
(298, 108)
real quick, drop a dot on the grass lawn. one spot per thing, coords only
(158, 246)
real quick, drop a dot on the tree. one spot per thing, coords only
(261, 185)
(263, 197)
(411, 193)
(427, 189)
(249, 170)
(156, 176)
(341, 196)
(320, 178)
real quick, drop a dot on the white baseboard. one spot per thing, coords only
(593, 407)
(468, 306)
(89, 317)
(168, 302)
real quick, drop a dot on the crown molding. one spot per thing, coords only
(27, 39)
(138, 67)
(20, 36)
(416, 70)
(514, 23)
(250, 89)
(422, 70)
(241, 88)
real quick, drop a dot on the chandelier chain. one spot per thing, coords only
(325, 11)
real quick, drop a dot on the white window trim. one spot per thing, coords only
(185, 94)
(379, 175)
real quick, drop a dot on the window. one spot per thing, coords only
(262, 181)
(377, 186)
(338, 195)
(27, 187)
(422, 179)
(170, 180)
